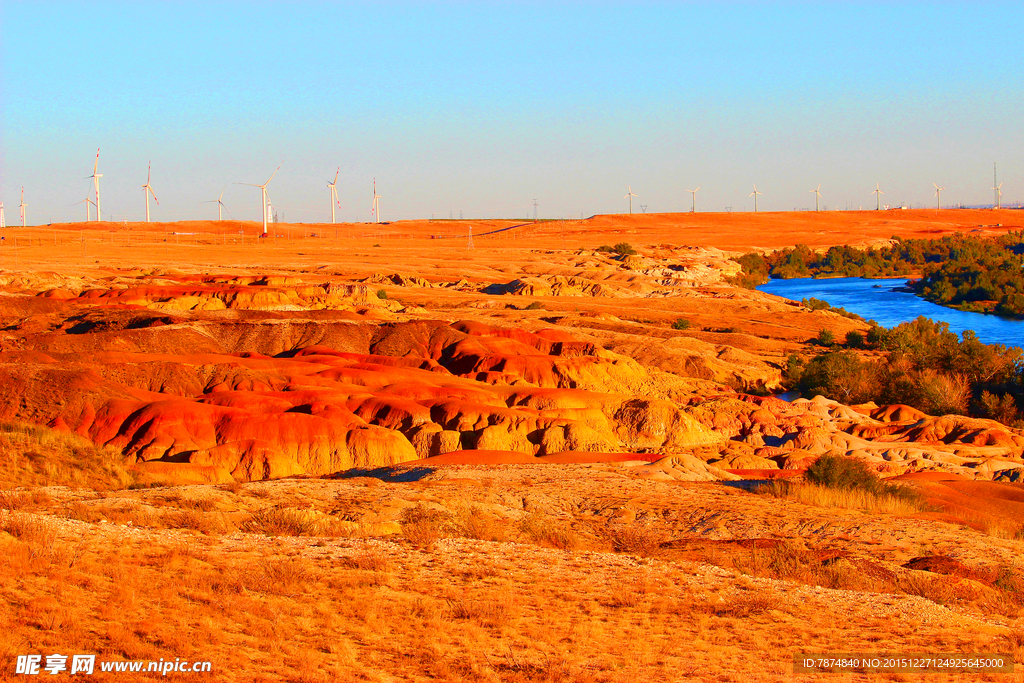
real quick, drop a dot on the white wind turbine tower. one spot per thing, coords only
(376, 202)
(334, 193)
(96, 181)
(938, 196)
(999, 194)
(754, 195)
(263, 187)
(817, 196)
(629, 194)
(220, 204)
(23, 205)
(693, 199)
(147, 190)
(3, 223)
(87, 201)
(878, 197)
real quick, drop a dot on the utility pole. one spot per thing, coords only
(534, 210)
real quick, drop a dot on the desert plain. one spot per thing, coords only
(379, 452)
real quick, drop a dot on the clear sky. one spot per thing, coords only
(482, 107)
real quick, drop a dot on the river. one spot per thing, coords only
(876, 300)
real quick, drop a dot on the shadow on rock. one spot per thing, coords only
(394, 475)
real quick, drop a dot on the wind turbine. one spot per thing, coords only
(630, 195)
(96, 181)
(334, 192)
(87, 201)
(23, 205)
(3, 223)
(693, 199)
(263, 187)
(998, 185)
(376, 202)
(220, 204)
(817, 196)
(938, 195)
(754, 195)
(147, 190)
(878, 197)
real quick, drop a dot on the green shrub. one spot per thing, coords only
(681, 324)
(754, 271)
(820, 305)
(622, 249)
(826, 337)
(844, 473)
(535, 306)
(841, 472)
(382, 294)
(815, 304)
(841, 376)
(855, 339)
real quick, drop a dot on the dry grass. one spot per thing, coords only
(423, 526)
(440, 598)
(32, 455)
(852, 499)
(551, 532)
(633, 539)
(484, 526)
(493, 612)
(371, 559)
(278, 521)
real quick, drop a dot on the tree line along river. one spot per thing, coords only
(879, 300)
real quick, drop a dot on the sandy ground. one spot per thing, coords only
(440, 247)
(473, 573)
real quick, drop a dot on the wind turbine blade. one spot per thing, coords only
(274, 173)
(336, 175)
(96, 166)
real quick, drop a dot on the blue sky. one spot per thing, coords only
(481, 107)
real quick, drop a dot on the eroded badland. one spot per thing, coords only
(370, 452)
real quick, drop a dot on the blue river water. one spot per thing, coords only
(876, 300)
